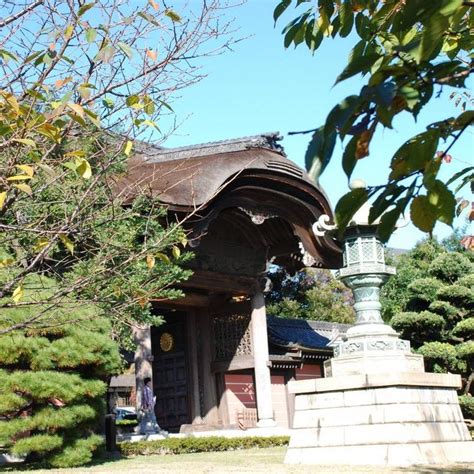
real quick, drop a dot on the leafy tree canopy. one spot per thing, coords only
(80, 83)
(310, 294)
(430, 301)
(410, 52)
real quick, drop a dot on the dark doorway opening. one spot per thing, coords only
(170, 373)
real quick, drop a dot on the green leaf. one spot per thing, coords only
(343, 115)
(319, 152)
(346, 15)
(459, 174)
(388, 224)
(464, 120)
(172, 15)
(359, 64)
(432, 38)
(91, 34)
(108, 103)
(125, 49)
(348, 205)
(411, 96)
(423, 213)
(84, 8)
(349, 159)
(163, 257)
(414, 154)
(280, 8)
(176, 251)
(443, 200)
(132, 100)
(385, 199)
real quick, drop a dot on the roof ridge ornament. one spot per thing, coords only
(323, 225)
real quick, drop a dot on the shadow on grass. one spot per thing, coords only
(101, 458)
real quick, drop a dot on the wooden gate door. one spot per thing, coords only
(170, 378)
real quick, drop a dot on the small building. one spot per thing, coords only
(217, 360)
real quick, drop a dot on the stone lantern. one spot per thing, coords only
(370, 344)
(376, 404)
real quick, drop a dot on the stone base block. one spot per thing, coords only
(365, 420)
(373, 363)
(399, 455)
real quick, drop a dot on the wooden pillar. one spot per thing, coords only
(263, 385)
(143, 358)
(210, 412)
(194, 369)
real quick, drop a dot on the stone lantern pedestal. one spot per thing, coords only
(376, 405)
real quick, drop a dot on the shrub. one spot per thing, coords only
(467, 281)
(445, 309)
(467, 406)
(200, 445)
(449, 267)
(457, 295)
(422, 292)
(464, 329)
(418, 327)
(439, 356)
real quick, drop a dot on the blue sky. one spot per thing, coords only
(261, 87)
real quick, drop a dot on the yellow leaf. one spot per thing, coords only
(150, 261)
(18, 177)
(151, 54)
(153, 4)
(80, 153)
(5, 262)
(76, 108)
(68, 31)
(18, 293)
(41, 243)
(128, 148)
(176, 251)
(25, 141)
(27, 169)
(24, 187)
(3, 196)
(83, 168)
(67, 243)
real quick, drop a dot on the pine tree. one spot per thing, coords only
(435, 310)
(53, 378)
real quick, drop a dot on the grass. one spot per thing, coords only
(268, 460)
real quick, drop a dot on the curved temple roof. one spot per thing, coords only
(252, 174)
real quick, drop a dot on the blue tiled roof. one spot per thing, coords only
(302, 334)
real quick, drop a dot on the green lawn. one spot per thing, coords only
(269, 460)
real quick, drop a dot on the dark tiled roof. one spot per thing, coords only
(303, 334)
(153, 153)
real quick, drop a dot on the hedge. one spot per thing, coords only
(466, 403)
(199, 445)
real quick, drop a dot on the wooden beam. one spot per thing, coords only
(237, 363)
(190, 299)
(221, 282)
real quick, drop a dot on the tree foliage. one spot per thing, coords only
(410, 52)
(436, 310)
(310, 294)
(53, 379)
(81, 82)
